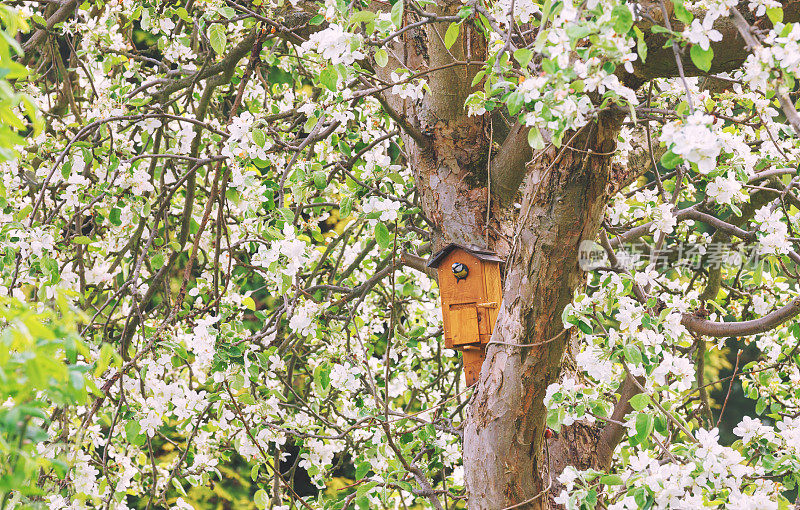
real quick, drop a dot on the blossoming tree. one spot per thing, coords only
(236, 199)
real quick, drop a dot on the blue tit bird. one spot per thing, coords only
(460, 271)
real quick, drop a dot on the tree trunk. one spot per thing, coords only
(563, 199)
(565, 194)
(505, 462)
(450, 163)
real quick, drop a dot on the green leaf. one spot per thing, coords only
(261, 499)
(157, 261)
(258, 136)
(641, 46)
(81, 240)
(218, 38)
(640, 496)
(320, 180)
(758, 273)
(586, 328)
(397, 13)
(523, 56)
(115, 216)
(639, 401)
(535, 139)
(451, 35)
(761, 405)
(132, 429)
(717, 306)
(515, 101)
(38, 19)
(329, 77)
(554, 418)
(362, 469)
(682, 13)
(541, 37)
(633, 355)
(51, 266)
(310, 123)
(249, 302)
(623, 19)
(382, 235)
(478, 77)
(658, 29)
(577, 32)
(317, 20)
(644, 426)
(106, 353)
(362, 17)
(287, 214)
(670, 160)
(465, 12)
(591, 498)
(775, 15)
(611, 480)
(660, 424)
(702, 58)
(178, 487)
(65, 171)
(23, 213)
(381, 57)
(345, 207)
(322, 376)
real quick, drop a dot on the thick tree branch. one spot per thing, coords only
(772, 320)
(418, 263)
(508, 165)
(227, 64)
(722, 237)
(746, 32)
(60, 15)
(410, 129)
(451, 87)
(729, 53)
(613, 432)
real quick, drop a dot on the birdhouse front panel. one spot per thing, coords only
(461, 288)
(460, 292)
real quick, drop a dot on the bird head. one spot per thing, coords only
(460, 271)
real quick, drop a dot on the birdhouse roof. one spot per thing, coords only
(479, 253)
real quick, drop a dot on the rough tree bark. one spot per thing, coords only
(563, 199)
(461, 170)
(565, 194)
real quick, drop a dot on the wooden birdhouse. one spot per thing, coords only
(471, 293)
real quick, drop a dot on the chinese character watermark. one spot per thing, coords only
(693, 256)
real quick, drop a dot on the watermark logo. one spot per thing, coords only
(591, 256)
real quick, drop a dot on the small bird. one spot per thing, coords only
(460, 271)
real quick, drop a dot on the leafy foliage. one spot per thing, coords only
(42, 373)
